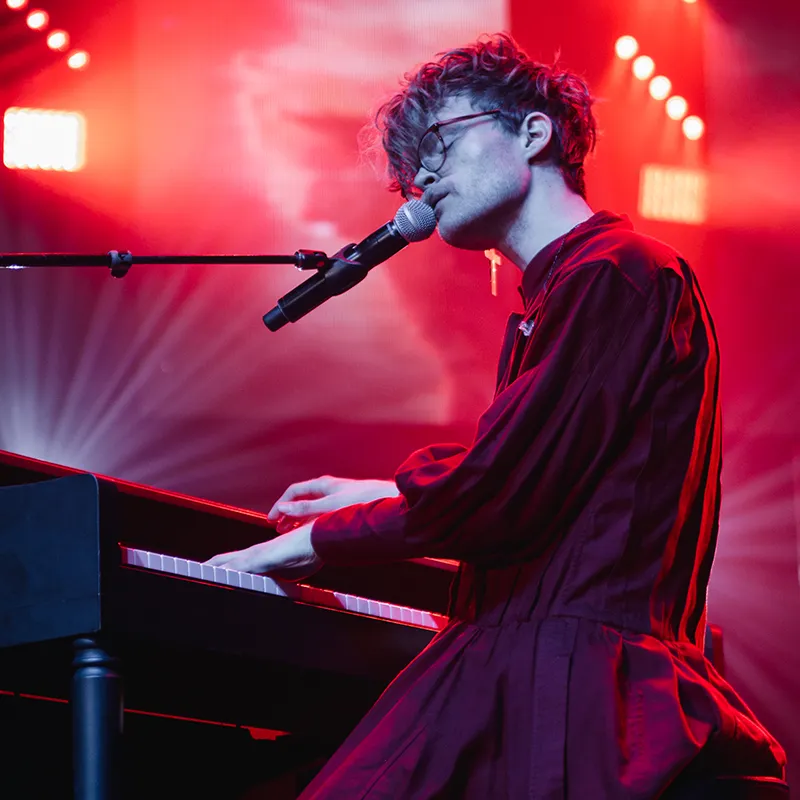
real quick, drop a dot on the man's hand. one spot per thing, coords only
(305, 501)
(288, 557)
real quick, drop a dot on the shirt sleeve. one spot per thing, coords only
(539, 447)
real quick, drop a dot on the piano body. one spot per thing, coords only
(102, 584)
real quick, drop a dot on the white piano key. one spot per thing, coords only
(306, 594)
(232, 578)
(270, 587)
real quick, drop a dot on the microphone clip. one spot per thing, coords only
(312, 259)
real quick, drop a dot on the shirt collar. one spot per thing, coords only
(535, 273)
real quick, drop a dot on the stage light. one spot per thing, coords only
(660, 87)
(626, 47)
(37, 138)
(16, 5)
(693, 128)
(677, 107)
(644, 67)
(58, 40)
(78, 59)
(37, 20)
(673, 194)
(690, 2)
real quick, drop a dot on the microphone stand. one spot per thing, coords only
(120, 262)
(336, 273)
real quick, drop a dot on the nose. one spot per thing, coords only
(424, 178)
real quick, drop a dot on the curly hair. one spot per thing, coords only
(494, 73)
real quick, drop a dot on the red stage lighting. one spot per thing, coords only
(660, 87)
(38, 20)
(626, 47)
(58, 40)
(36, 138)
(693, 128)
(644, 67)
(78, 59)
(677, 107)
(673, 194)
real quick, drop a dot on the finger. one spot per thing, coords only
(303, 509)
(311, 490)
(220, 560)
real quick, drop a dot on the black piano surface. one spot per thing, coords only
(186, 648)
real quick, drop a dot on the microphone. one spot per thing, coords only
(413, 222)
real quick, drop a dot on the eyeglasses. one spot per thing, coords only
(432, 151)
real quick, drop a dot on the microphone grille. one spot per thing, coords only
(415, 221)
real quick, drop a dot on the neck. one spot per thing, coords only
(550, 210)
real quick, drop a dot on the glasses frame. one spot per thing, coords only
(437, 126)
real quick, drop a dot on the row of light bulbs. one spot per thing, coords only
(57, 40)
(643, 68)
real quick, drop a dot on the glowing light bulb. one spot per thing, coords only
(660, 87)
(78, 59)
(693, 128)
(644, 67)
(37, 138)
(16, 5)
(58, 40)
(37, 20)
(626, 47)
(677, 107)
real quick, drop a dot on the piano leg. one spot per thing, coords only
(96, 722)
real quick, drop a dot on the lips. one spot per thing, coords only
(435, 202)
(434, 198)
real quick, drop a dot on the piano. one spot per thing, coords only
(102, 584)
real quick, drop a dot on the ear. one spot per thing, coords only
(536, 133)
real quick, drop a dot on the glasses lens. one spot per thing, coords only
(431, 151)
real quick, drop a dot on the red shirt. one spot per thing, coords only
(585, 513)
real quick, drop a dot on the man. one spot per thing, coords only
(585, 510)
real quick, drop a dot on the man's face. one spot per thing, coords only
(479, 190)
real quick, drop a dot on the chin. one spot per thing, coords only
(463, 235)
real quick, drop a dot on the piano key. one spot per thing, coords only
(365, 606)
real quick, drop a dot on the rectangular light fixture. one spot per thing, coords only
(673, 194)
(37, 138)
